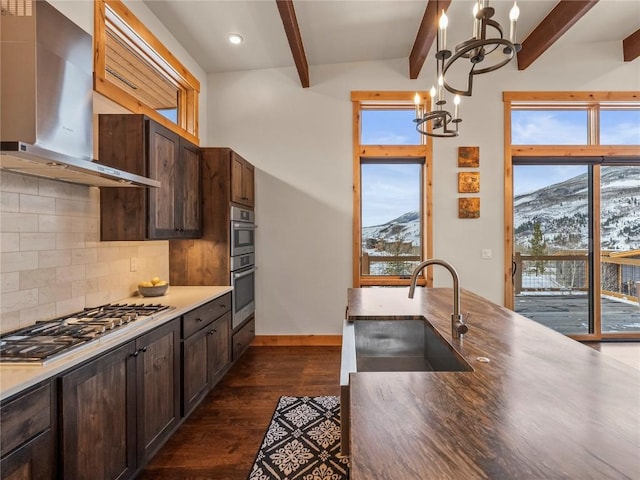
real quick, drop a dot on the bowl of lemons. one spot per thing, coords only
(153, 288)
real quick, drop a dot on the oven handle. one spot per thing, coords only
(244, 273)
(245, 226)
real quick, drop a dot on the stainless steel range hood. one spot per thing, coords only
(46, 84)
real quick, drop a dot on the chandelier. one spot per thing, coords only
(439, 122)
(486, 45)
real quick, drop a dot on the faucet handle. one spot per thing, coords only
(465, 319)
(462, 328)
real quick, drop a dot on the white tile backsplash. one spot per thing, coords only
(52, 262)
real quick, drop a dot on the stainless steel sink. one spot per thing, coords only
(386, 345)
(403, 346)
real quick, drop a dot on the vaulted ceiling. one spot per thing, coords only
(304, 33)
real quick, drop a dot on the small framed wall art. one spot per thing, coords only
(468, 182)
(469, 207)
(469, 157)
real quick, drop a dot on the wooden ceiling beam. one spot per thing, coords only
(631, 46)
(563, 16)
(290, 23)
(425, 37)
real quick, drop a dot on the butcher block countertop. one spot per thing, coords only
(544, 407)
(15, 378)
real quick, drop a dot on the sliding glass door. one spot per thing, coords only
(570, 222)
(620, 249)
(552, 265)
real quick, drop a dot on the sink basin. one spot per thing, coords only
(391, 346)
(403, 346)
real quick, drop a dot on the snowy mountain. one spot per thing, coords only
(561, 211)
(403, 229)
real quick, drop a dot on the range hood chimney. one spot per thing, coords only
(46, 84)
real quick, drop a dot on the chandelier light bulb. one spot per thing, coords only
(416, 101)
(432, 92)
(476, 20)
(456, 102)
(444, 21)
(515, 12)
(513, 18)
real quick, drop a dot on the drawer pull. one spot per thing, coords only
(198, 319)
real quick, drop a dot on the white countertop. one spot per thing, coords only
(15, 378)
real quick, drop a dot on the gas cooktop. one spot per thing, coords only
(49, 339)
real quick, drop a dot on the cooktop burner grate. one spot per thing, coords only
(45, 340)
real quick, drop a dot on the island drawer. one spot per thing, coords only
(200, 317)
(25, 417)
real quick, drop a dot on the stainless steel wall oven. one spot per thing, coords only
(243, 269)
(242, 231)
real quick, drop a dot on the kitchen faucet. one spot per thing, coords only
(458, 327)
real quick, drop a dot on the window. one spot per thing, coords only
(391, 205)
(134, 69)
(571, 201)
(392, 167)
(389, 126)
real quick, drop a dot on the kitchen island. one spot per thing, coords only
(543, 407)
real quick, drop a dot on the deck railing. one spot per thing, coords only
(569, 273)
(389, 264)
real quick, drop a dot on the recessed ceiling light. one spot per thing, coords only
(235, 38)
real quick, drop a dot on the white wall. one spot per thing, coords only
(300, 141)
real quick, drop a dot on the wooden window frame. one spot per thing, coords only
(369, 99)
(564, 100)
(160, 57)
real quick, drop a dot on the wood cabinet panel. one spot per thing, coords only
(25, 417)
(98, 417)
(162, 158)
(158, 387)
(199, 317)
(189, 171)
(219, 347)
(33, 461)
(242, 178)
(27, 435)
(195, 369)
(243, 337)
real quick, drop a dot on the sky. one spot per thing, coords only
(388, 192)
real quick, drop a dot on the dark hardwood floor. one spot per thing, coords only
(221, 437)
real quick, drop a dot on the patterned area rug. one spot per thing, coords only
(302, 442)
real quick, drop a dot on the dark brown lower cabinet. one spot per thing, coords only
(205, 353)
(243, 337)
(118, 409)
(32, 461)
(158, 387)
(99, 418)
(27, 438)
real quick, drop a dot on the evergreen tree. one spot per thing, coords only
(538, 247)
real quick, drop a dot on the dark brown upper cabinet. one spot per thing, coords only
(138, 144)
(242, 173)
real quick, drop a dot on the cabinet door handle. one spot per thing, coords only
(144, 349)
(135, 354)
